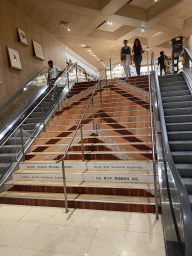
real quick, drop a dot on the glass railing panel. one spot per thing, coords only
(10, 109)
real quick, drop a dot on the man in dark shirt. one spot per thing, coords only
(161, 63)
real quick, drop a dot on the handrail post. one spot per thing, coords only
(101, 95)
(86, 76)
(22, 144)
(106, 77)
(68, 79)
(93, 114)
(64, 186)
(152, 139)
(110, 69)
(83, 158)
(43, 117)
(76, 74)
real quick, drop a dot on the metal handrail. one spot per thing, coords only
(182, 193)
(152, 137)
(80, 126)
(55, 84)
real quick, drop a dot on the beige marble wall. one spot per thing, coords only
(10, 19)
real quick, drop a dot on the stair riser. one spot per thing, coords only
(95, 166)
(85, 190)
(82, 205)
(177, 105)
(99, 157)
(110, 131)
(184, 111)
(175, 93)
(102, 120)
(144, 139)
(182, 159)
(103, 125)
(123, 113)
(181, 147)
(104, 147)
(129, 107)
(174, 88)
(179, 127)
(87, 177)
(179, 119)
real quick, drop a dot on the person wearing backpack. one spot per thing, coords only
(126, 60)
(163, 62)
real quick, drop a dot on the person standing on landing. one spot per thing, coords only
(125, 55)
(137, 53)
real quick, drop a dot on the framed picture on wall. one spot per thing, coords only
(22, 36)
(38, 52)
(14, 59)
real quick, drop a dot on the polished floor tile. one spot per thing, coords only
(12, 251)
(16, 233)
(61, 254)
(123, 243)
(63, 239)
(46, 231)
(138, 222)
(48, 215)
(19, 212)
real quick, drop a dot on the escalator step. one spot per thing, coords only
(185, 170)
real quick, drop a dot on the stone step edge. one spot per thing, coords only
(82, 200)
(104, 185)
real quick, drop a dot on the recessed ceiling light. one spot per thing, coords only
(110, 23)
(90, 51)
(69, 29)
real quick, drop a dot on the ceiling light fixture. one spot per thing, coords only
(143, 30)
(110, 23)
(69, 29)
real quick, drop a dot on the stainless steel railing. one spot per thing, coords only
(25, 145)
(152, 137)
(79, 126)
(173, 192)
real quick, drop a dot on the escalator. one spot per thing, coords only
(26, 113)
(172, 111)
(177, 104)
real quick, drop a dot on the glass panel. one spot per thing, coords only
(10, 109)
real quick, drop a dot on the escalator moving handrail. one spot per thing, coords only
(183, 195)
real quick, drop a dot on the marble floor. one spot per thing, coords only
(45, 231)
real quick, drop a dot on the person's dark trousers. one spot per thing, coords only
(137, 60)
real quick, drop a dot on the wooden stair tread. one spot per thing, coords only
(82, 184)
(91, 152)
(79, 197)
(93, 144)
(82, 171)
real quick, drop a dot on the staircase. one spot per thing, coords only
(117, 172)
(177, 104)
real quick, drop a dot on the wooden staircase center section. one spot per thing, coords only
(117, 172)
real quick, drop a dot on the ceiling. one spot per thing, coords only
(96, 28)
